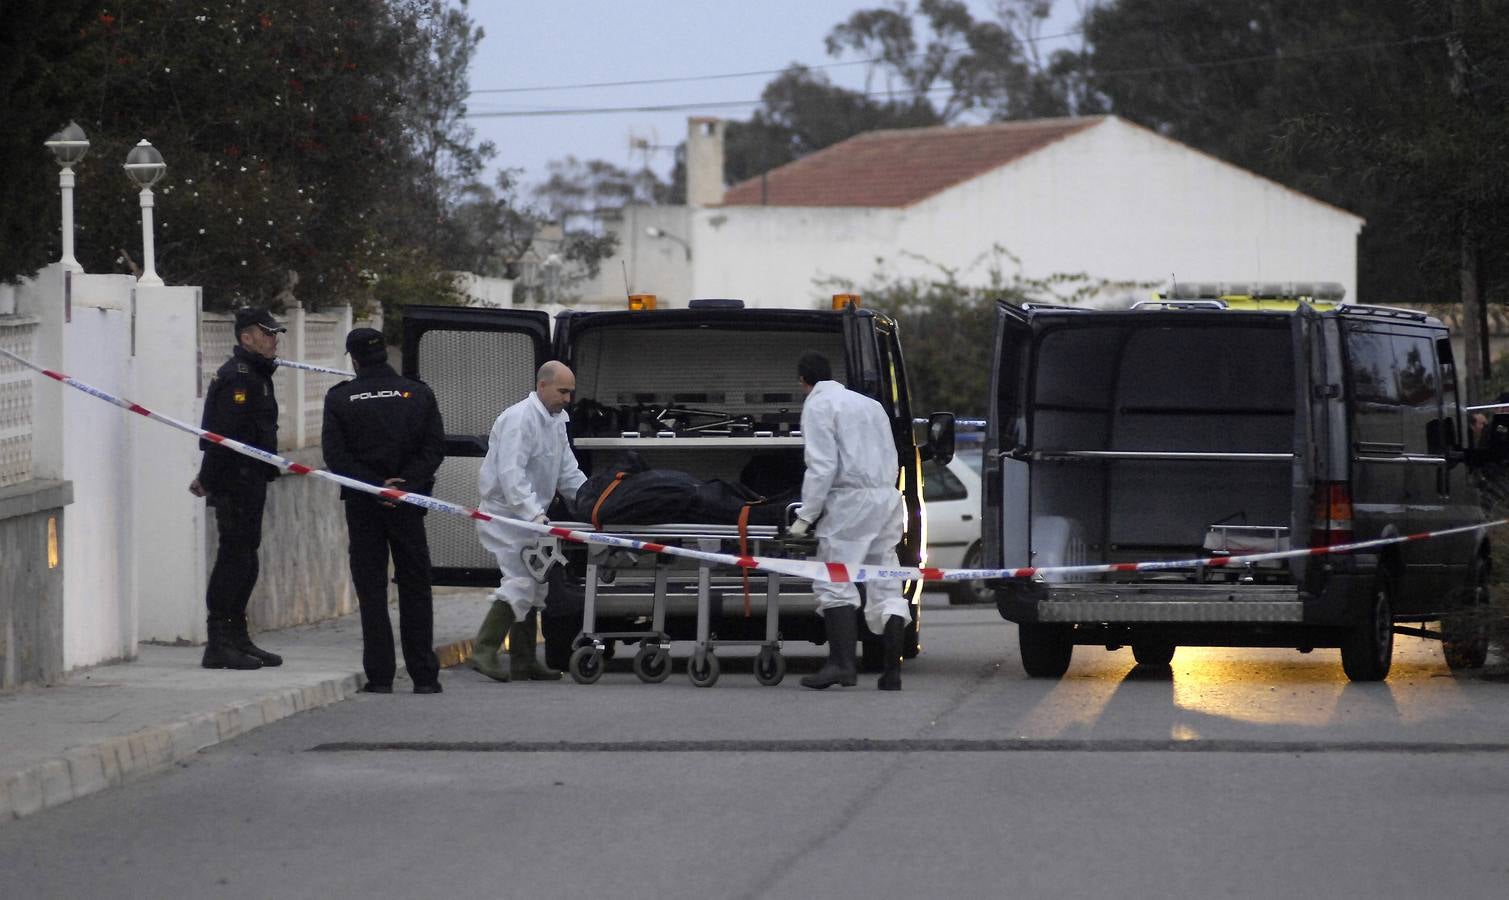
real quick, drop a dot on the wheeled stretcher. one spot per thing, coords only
(651, 587)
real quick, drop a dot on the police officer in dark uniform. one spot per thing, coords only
(239, 404)
(384, 429)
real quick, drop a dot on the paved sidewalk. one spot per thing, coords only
(112, 724)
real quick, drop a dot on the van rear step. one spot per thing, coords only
(1079, 602)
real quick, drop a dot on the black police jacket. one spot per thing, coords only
(380, 425)
(240, 405)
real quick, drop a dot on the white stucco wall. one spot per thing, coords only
(1118, 202)
(168, 523)
(99, 616)
(654, 265)
(1114, 202)
(771, 256)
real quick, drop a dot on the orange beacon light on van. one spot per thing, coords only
(841, 301)
(641, 301)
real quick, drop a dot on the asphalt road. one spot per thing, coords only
(1236, 773)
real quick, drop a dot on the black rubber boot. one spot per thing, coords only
(890, 642)
(522, 665)
(489, 641)
(243, 642)
(842, 626)
(220, 649)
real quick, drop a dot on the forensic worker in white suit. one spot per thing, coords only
(528, 462)
(849, 493)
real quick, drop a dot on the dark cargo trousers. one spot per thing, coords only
(238, 520)
(374, 530)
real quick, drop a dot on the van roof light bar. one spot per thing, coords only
(1180, 304)
(1390, 312)
(1319, 291)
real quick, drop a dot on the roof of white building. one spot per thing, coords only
(900, 167)
(905, 166)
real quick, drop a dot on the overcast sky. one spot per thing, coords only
(572, 42)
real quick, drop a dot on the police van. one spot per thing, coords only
(710, 389)
(1223, 420)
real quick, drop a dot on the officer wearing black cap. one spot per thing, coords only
(384, 429)
(239, 404)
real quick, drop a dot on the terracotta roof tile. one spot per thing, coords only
(900, 167)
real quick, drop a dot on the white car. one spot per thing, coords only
(952, 496)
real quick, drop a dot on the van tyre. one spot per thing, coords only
(1157, 654)
(1367, 651)
(964, 592)
(1046, 649)
(1464, 633)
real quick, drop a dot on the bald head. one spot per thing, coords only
(556, 385)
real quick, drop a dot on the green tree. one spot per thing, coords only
(977, 65)
(801, 112)
(579, 193)
(321, 144)
(948, 323)
(38, 39)
(1393, 109)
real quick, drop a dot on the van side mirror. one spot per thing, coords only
(940, 437)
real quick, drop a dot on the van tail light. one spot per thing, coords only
(1333, 514)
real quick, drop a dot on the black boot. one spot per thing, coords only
(244, 643)
(220, 650)
(842, 627)
(890, 642)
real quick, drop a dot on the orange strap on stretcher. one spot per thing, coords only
(617, 480)
(744, 547)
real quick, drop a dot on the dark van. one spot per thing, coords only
(1230, 420)
(710, 389)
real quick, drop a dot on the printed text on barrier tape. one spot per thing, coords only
(311, 367)
(812, 571)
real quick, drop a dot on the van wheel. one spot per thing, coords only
(1153, 653)
(971, 591)
(1464, 633)
(1046, 649)
(1368, 650)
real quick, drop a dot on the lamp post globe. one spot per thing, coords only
(68, 147)
(145, 167)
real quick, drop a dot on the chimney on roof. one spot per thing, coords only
(704, 161)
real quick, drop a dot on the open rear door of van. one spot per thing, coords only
(1006, 504)
(478, 362)
(1319, 425)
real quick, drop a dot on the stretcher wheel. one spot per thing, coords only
(770, 667)
(705, 675)
(652, 665)
(586, 665)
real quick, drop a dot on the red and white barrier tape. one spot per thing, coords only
(804, 569)
(311, 367)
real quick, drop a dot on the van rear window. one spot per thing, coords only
(1196, 368)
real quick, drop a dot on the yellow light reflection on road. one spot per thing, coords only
(1276, 687)
(1209, 689)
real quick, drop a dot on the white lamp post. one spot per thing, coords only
(654, 232)
(145, 166)
(68, 147)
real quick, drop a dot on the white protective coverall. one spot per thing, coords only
(528, 461)
(851, 483)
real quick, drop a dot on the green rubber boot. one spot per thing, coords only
(489, 641)
(522, 664)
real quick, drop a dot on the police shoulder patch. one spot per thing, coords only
(243, 368)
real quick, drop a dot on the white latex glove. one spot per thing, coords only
(540, 520)
(799, 528)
